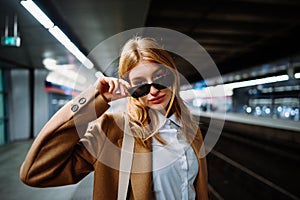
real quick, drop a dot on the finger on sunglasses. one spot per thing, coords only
(125, 83)
(113, 85)
(117, 86)
(123, 87)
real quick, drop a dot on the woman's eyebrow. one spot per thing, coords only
(138, 78)
(158, 71)
(141, 77)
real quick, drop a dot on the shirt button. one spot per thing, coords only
(82, 100)
(75, 108)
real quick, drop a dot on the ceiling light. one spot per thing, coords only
(61, 67)
(37, 13)
(49, 62)
(227, 89)
(56, 32)
(260, 81)
(67, 78)
(64, 40)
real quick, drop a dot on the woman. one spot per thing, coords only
(166, 163)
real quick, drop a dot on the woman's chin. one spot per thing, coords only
(158, 107)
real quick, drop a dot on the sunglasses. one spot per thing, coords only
(160, 83)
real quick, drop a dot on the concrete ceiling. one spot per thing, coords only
(237, 34)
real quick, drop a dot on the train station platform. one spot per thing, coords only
(11, 187)
(288, 125)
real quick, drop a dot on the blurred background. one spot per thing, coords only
(45, 61)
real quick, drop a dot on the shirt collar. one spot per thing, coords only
(172, 118)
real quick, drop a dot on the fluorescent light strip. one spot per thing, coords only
(56, 32)
(37, 13)
(260, 81)
(227, 89)
(64, 40)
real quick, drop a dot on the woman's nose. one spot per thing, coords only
(153, 91)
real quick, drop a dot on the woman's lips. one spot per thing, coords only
(157, 100)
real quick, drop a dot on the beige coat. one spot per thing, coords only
(69, 147)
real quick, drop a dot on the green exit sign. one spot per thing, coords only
(11, 41)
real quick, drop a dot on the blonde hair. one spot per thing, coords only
(140, 49)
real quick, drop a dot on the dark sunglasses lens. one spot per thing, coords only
(139, 91)
(160, 83)
(159, 86)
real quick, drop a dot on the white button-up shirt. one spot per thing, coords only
(175, 165)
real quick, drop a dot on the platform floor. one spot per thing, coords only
(11, 188)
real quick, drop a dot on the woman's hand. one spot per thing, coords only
(112, 88)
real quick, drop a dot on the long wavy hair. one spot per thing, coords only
(140, 49)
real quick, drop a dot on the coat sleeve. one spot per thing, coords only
(64, 150)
